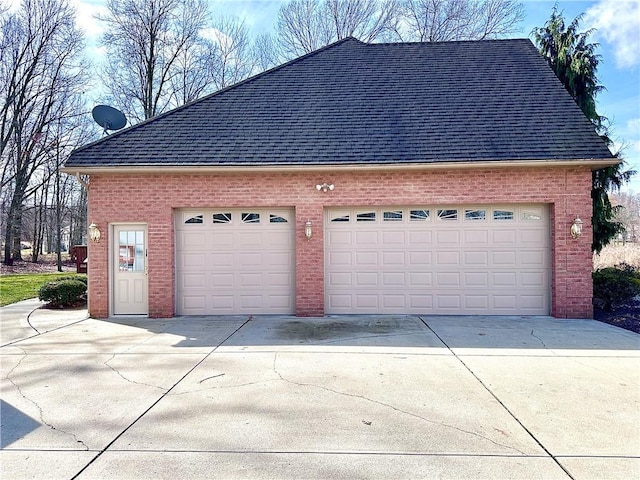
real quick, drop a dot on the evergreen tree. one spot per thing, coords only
(575, 63)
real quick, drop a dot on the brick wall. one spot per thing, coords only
(151, 199)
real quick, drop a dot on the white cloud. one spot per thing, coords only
(617, 22)
(86, 10)
(216, 36)
(630, 144)
(632, 134)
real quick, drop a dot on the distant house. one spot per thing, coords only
(415, 178)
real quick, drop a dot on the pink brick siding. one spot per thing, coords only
(151, 199)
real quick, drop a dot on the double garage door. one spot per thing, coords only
(416, 259)
(438, 260)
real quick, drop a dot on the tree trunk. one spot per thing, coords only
(58, 222)
(37, 215)
(14, 226)
(7, 240)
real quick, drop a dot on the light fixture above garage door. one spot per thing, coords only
(325, 187)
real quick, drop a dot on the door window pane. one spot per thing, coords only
(131, 254)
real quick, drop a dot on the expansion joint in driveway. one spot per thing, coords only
(535, 439)
(38, 332)
(164, 394)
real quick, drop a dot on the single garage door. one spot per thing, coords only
(234, 261)
(438, 260)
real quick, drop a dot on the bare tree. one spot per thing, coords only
(266, 52)
(193, 75)
(146, 42)
(41, 79)
(367, 20)
(447, 20)
(306, 25)
(627, 212)
(302, 27)
(233, 51)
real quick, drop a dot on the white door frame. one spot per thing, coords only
(139, 276)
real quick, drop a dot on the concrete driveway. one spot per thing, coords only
(335, 397)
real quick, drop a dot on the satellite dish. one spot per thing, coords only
(108, 117)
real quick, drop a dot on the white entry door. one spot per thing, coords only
(129, 258)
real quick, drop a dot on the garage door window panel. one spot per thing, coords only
(392, 216)
(194, 219)
(340, 216)
(419, 215)
(502, 215)
(274, 218)
(531, 215)
(222, 217)
(366, 217)
(475, 215)
(250, 217)
(448, 214)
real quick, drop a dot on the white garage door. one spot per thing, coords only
(234, 261)
(438, 260)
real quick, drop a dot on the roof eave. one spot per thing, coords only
(594, 164)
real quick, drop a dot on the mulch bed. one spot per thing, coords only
(625, 316)
(21, 267)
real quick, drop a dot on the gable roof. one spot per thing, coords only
(376, 104)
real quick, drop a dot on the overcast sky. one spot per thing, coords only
(617, 31)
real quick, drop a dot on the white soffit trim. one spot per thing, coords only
(120, 169)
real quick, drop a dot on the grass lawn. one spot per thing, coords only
(14, 288)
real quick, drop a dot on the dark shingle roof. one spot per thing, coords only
(355, 103)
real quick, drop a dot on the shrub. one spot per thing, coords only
(612, 286)
(80, 278)
(64, 292)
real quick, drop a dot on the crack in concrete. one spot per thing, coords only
(40, 409)
(512, 414)
(396, 409)
(220, 387)
(18, 340)
(544, 345)
(29, 321)
(576, 360)
(117, 372)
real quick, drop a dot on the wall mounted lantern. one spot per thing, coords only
(307, 230)
(325, 187)
(94, 233)
(576, 227)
